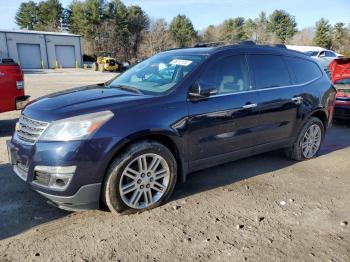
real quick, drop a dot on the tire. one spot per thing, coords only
(297, 151)
(101, 67)
(119, 176)
(95, 66)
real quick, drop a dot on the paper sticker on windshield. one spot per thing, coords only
(181, 62)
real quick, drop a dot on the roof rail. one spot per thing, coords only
(279, 45)
(211, 44)
(247, 42)
(174, 48)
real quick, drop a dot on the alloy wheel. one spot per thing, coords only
(144, 181)
(311, 141)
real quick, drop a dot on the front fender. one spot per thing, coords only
(169, 137)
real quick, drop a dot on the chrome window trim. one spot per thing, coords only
(272, 88)
(264, 89)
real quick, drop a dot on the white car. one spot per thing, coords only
(324, 57)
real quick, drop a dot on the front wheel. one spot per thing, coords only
(309, 141)
(142, 178)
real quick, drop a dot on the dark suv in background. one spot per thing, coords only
(126, 142)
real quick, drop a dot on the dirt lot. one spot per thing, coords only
(262, 208)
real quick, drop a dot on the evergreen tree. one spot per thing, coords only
(138, 21)
(50, 15)
(323, 34)
(182, 30)
(339, 35)
(26, 16)
(283, 25)
(232, 30)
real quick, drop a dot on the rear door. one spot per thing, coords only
(279, 99)
(307, 79)
(224, 122)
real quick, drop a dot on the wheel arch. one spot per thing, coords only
(322, 115)
(166, 138)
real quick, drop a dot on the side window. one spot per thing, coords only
(228, 75)
(303, 70)
(269, 71)
(330, 54)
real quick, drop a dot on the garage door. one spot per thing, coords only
(29, 56)
(65, 55)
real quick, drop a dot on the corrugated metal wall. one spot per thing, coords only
(55, 50)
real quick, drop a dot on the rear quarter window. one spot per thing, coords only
(269, 71)
(303, 71)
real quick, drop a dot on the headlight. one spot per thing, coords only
(76, 128)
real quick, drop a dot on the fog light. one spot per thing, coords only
(53, 177)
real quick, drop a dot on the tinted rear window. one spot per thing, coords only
(269, 71)
(303, 70)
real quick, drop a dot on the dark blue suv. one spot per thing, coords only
(126, 143)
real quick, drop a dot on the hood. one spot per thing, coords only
(339, 69)
(79, 101)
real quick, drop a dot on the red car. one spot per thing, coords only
(340, 74)
(12, 95)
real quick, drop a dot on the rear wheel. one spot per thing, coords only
(101, 67)
(308, 142)
(95, 66)
(142, 178)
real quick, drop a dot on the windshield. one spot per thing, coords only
(157, 74)
(312, 53)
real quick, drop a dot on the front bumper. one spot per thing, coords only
(86, 198)
(89, 157)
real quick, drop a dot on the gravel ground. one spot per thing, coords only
(261, 208)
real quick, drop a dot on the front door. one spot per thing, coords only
(223, 123)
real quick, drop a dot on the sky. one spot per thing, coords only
(207, 12)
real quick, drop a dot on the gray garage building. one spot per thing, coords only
(36, 49)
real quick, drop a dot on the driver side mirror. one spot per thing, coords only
(322, 54)
(199, 92)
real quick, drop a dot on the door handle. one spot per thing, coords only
(297, 99)
(249, 106)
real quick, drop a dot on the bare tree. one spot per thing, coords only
(303, 37)
(156, 39)
(210, 34)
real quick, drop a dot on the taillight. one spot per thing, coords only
(20, 84)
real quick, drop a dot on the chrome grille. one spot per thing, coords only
(29, 130)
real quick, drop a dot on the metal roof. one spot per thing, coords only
(37, 32)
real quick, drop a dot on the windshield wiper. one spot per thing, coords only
(128, 88)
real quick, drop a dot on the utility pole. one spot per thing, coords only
(61, 24)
